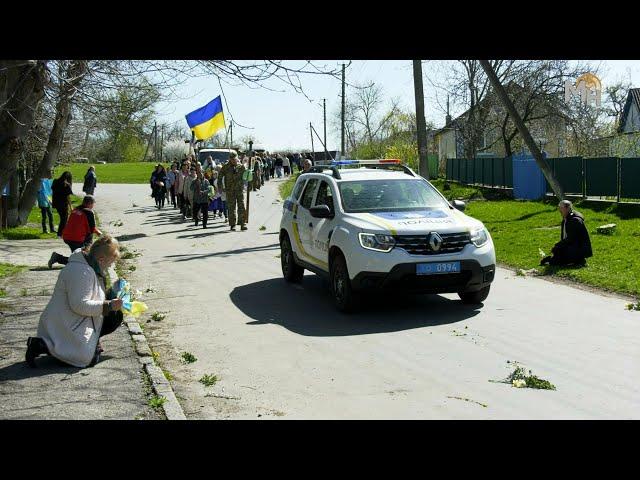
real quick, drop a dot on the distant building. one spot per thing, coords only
(549, 132)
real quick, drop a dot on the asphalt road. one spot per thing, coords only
(282, 351)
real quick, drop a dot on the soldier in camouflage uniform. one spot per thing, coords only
(231, 174)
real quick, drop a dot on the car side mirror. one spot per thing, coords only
(320, 211)
(459, 205)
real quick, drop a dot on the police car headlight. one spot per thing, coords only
(377, 242)
(479, 236)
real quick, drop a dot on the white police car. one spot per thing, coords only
(381, 226)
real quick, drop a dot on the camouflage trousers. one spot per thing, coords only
(236, 198)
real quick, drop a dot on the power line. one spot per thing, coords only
(228, 110)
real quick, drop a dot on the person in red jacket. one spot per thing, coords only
(78, 231)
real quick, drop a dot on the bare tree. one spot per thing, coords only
(508, 104)
(536, 88)
(616, 97)
(469, 86)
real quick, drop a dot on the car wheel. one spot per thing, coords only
(341, 285)
(475, 297)
(291, 271)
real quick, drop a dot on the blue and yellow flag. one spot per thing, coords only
(206, 121)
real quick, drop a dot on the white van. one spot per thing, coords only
(219, 155)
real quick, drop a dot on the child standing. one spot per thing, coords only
(44, 202)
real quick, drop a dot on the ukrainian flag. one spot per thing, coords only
(206, 121)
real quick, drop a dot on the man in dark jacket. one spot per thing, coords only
(574, 245)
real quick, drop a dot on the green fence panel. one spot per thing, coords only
(449, 169)
(630, 177)
(487, 172)
(471, 169)
(498, 171)
(456, 169)
(601, 176)
(432, 161)
(464, 168)
(568, 172)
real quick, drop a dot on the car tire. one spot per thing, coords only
(472, 298)
(343, 294)
(291, 271)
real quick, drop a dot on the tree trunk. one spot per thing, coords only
(75, 73)
(423, 163)
(524, 131)
(86, 141)
(21, 90)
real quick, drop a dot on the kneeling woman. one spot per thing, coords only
(78, 314)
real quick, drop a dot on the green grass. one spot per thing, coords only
(7, 269)
(139, 172)
(520, 228)
(188, 357)
(287, 187)
(157, 402)
(33, 229)
(208, 380)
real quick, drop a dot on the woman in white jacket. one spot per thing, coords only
(78, 314)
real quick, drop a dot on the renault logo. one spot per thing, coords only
(435, 241)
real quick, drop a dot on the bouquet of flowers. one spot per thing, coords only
(122, 289)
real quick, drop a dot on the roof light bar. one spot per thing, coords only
(385, 161)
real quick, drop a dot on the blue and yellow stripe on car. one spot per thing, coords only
(315, 261)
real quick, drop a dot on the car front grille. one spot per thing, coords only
(419, 244)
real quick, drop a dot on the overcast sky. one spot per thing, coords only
(280, 120)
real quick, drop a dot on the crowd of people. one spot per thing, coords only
(208, 189)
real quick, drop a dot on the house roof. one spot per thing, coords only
(632, 97)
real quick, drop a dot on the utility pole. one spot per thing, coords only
(155, 142)
(313, 151)
(522, 129)
(231, 133)
(342, 133)
(324, 109)
(162, 144)
(421, 124)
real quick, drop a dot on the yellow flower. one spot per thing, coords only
(519, 383)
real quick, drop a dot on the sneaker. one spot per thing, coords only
(52, 260)
(243, 227)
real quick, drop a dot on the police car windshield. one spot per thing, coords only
(389, 195)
